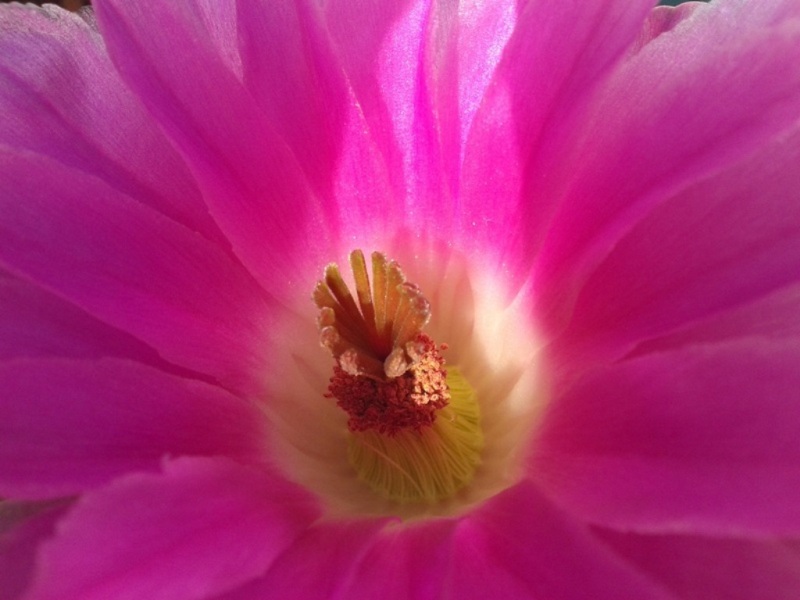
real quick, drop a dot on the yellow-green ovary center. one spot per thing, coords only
(414, 422)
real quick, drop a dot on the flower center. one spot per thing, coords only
(414, 423)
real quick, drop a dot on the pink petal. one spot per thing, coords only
(23, 527)
(292, 72)
(35, 323)
(697, 568)
(719, 245)
(220, 21)
(687, 440)
(66, 426)
(659, 125)
(386, 57)
(132, 268)
(63, 99)
(775, 316)
(661, 20)
(253, 185)
(519, 546)
(319, 564)
(469, 42)
(405, 561)
(199, 529)
(557, 55)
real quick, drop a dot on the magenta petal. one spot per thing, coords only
(557, 55)
(35, 323)
(221, 25)
(467, 49)
(66, 426)
(719, 245)
(360, 560)
(201, 528)
(775, 316)
(658, 125)
(519, 546)
(319, 564)
(406, 561)
(23, 527)
(132, 268)
(661, 20)
(387, 57)
(713, 569)
(688, 440)
(61, 97)
(300, 85)
(252, 183)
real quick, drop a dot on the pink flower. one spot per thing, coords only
(598, 202)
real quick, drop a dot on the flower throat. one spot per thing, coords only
(414, 424)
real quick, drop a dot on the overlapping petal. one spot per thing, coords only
(69, 425)
(36, 323)
(61, 97)
(387, 58)
(691, 439)
(303, 92)
(158, 225)
(550, 65)
(652, 130)
(720, 244)
(250, 180)
(694, 567)
(413, 561)
(534, 550)
(132, 268)
(315, 565)
(198, 529)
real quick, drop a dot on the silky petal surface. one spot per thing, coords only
(61, 97)
(132, 268)
(36, 323)
(319, 564)
(775, 316)
(198, 529)
(386, 58)
(221, 22)
(252, 183)
(698, 568)
(405, 562)
(661, 20)
(720, 244)
(687, 440)
(301, 87)
(67, 426)
(518, 545)
(556, 56)
(657, 126)
(610, 162)
(469, 39)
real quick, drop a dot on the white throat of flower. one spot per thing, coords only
(418, 435)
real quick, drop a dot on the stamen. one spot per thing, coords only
(392, 314)
(415, 437)
(409, 401)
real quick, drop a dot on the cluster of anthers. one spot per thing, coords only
(389, 375)
(415, 435)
